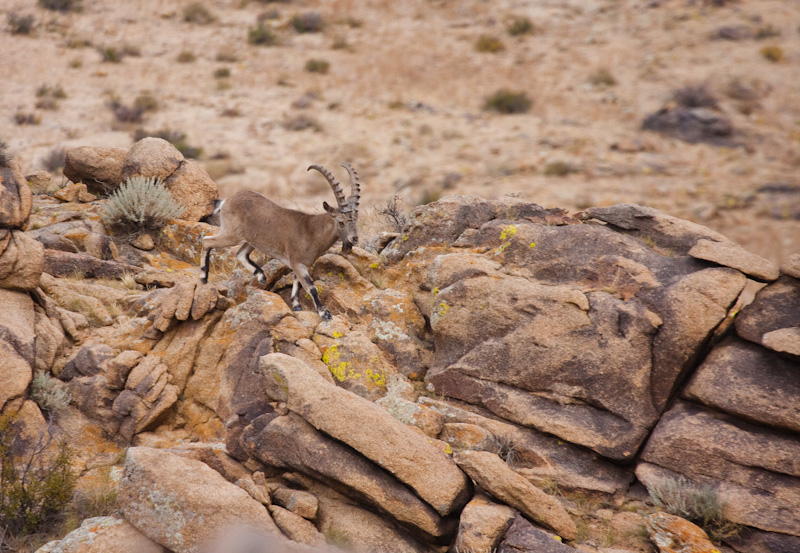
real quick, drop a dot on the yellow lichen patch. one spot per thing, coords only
(377, 377)
(373, 266)
(339, 369)
(337, 334)
(508, 232)
(532, 244)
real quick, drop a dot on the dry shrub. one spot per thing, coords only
(36, 479)
(508, 102)
(141, 203)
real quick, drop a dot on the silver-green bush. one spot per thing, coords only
(699, 504)
(141, 203)
(50, 394)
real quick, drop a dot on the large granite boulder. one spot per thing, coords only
(99, 168)
(21, 260)
(183, 504)
(548, 325)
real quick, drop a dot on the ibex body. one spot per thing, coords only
(294, 238)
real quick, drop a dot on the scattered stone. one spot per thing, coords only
(143, 242)
(523, 537)
(493, 475)
(364, 531)
(87, 362)
(482, 525)
(75, 192)
(413, 414)
(100, 169)
(41, 182)
(730, 254)
(462, 435)
(182, 503)
(151, 157)
(299, 502)
(673, 534)
(296, 527)
(256, 492)
(538, 456)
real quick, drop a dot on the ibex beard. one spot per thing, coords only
(294, 238)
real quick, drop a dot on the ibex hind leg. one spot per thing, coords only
(301, 274)
(243, 255)
(296, 295)
(220, 240)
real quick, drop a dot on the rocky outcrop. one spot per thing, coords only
(614, 307)
(183, 504)
(717, 450)
(495, 345)
(494, 475)
(355, 421)
(103, 169)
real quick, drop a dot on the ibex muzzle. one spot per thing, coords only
(294, 238)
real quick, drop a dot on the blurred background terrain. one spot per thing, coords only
(688, 106)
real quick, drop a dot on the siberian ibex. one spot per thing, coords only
(294, 238)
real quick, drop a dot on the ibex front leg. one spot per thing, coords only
(301, 275)
(220, 240)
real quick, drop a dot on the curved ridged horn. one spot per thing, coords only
(355, 186)
(337, 189)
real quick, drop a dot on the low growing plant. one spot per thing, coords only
(317, 66)
(309, 22)
(489, 44)
(141, 203)
(50, 394)
(772, 53)
(699, 504)
(196, 12)
(36, 479)
(508, 102)
(262, 35)
(20, 24)
(520, 25)
(63, 6)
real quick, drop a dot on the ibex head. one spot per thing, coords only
(345, 215)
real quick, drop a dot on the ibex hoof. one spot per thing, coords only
(297, 308)
(326, 315)
(204, 280)
(261, 278)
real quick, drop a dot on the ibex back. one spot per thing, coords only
(294, 238)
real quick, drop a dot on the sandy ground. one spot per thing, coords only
(403, 100)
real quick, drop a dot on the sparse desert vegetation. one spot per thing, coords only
(558, 74)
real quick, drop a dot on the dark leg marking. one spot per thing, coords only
(205, 267)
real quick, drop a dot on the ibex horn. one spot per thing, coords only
(337, 189)
(355, 186)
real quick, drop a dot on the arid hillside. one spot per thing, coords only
(400, 89)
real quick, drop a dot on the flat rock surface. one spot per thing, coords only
(750, 382)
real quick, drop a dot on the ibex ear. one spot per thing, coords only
(332, 211)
